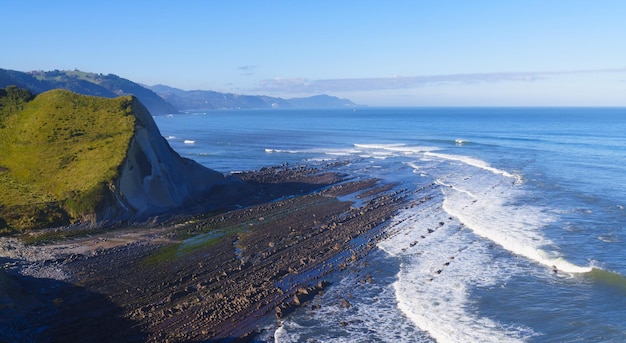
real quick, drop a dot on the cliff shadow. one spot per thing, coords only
(49, 310)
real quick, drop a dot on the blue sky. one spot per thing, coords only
(378, 53)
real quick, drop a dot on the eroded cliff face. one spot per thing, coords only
(153, 178)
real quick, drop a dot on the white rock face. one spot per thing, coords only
(154, 179)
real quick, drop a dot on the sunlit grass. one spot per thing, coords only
(60, 148)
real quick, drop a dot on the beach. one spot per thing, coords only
(222, 275)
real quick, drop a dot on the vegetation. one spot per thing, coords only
(59, 152)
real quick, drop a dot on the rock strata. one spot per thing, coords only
(220, 275)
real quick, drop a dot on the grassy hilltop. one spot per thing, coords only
(59, 152)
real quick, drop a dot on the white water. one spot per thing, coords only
(372, 316)
(437, 272)
(484, 200)
(440, 263)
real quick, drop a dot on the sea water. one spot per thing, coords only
(522, 239)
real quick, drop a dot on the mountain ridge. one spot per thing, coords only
(194, 100)
(158, 99)
(86, 83)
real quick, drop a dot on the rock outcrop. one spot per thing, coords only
(153, 178)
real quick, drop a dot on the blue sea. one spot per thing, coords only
(522, 239)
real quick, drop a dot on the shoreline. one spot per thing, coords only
(213, 276)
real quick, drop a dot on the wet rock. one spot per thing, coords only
(344, 304)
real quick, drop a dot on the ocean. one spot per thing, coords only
(522, 239)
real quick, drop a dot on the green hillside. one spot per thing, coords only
(58, 154)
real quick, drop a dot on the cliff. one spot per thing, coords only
(69, 158)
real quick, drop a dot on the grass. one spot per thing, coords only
(53, 236)
(192, 244)
(61, 148)
(164, 254)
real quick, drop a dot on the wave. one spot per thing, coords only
(609, 278)
(485, 203)
(439, 268)
(609, 238)
(396, 149)
(279, 151)
(189, 141)
(515, 228)
(476, 163)
(330, 152)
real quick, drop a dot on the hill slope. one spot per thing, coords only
(108, 86)
(69, 158)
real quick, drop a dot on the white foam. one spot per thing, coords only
(279, 151)
(372, 315)
(515, 228)
(442, 264)
(395, 149)
(189, 141)
(287, 332)
(437, 271)
(379, 146)
(476, 163)
(609, 238)
(485, 203)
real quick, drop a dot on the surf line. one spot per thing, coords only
(518, 239)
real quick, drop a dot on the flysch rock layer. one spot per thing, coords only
(153, 178)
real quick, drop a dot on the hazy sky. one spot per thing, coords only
(378, 53)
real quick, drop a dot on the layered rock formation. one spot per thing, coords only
(154, 178)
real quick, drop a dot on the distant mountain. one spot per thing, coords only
(321, 101)
(109, 86)
(159, 99)
(210, 100)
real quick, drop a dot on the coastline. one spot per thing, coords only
(213, 276)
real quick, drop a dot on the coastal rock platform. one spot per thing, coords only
(215, 276)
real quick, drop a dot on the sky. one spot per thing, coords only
(375, 53)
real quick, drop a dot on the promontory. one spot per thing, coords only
(67, 158)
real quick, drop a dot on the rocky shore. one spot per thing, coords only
(208, 277)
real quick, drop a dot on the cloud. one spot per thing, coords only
(303, 85)
(247, 70)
